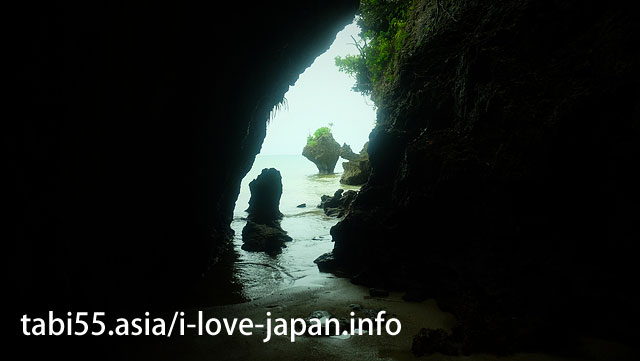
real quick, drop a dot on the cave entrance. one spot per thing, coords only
(321, 98)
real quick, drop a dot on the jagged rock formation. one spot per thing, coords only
(357, 169)
(502, 172)
(338, 204)
(324, 152)
(263, 232)
(355, 172)
(347, 153)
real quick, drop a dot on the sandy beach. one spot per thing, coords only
(337, 296)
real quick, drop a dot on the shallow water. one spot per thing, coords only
(260, 274)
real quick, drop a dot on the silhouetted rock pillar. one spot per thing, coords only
(266, 191)
(263, 233)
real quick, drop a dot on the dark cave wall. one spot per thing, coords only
(134, 125)
(504, 169)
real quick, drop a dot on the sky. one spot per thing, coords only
(322, 95)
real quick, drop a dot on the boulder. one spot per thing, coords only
(338, 204)
(324, 152)
(266, 190)
(355, 172)
(331, 201)
(357, 169)
(326, 262)
(263, 238)
(348, 154)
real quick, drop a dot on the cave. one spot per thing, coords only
(501, 209)
(277, 242)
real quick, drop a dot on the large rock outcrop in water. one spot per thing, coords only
(324, 152)
(357, 169)
(132, 127)
(266, 191)
(263, 232)
(504, 178)
(347, 153)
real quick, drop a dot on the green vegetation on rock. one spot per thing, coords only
(322, 150)
(312, 140)
(383, 33)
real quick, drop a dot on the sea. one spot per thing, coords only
(260, 274)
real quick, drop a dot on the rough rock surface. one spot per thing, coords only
(502, 174)
(357, 169)
(355, 172)
(347, 153)
(324, 153)
(338, 204)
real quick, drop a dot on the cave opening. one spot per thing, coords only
(499, 219)
(322, 99)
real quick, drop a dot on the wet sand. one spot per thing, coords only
(323, 292)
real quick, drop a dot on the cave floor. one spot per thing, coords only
(334, 295)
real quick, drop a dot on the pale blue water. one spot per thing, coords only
(261, 274)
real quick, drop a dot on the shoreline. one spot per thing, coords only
(327, 293)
